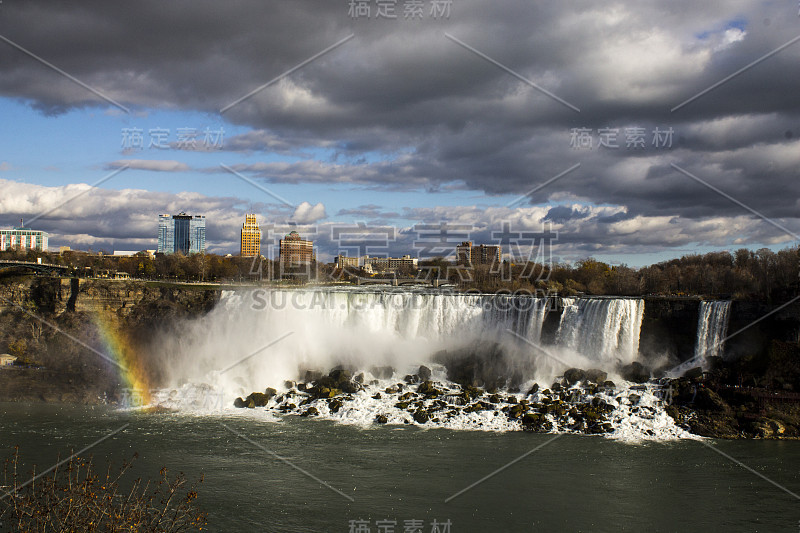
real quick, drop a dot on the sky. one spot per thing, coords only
(629, 132)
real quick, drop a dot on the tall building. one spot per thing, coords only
(296, 251)
(251, 237)
(21, 238)
(181, 233)
(483, 254)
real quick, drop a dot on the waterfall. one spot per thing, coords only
(605, 329)
(265, 336)
(325, 327)
(712, 326)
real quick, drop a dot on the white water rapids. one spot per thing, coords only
(260, 338)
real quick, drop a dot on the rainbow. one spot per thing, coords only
(135, 385)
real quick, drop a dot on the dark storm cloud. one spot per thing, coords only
(443, 116)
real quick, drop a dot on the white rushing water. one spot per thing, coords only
(608, 328)
(259, 338)
(712, 327)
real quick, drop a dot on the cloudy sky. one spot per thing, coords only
(635, 131)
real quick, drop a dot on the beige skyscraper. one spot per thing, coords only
(251, 237)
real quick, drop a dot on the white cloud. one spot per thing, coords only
(151, 164)
(306, 213)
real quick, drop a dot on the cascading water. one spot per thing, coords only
(259, 338)
(605, 329)
(712, 326)
(327, 327)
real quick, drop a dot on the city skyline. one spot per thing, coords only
(633, 161)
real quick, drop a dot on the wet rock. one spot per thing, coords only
(411, 379)
(350, 387)
(391, 390)
(311, 411)
(555, 387)
(533, 390)
(428, 389)
(595, 375)
(574, 375)
(359, 378)
(239, 403)
(694, 373)
(270, 392)
(340, 375)
(312, 375)
(376, 396)
(708, 399)
(382, 419)
(516, 411)
(609, 385)
(634, 398)
(259, 399)
(288, 384)
(635, 372)
(335, 404)
(382, 372)
(424, 373)
(475, 407)
(421, 416)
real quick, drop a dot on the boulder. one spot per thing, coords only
(424, 373)
(533, 389)
(335, 404)
(311, 411)
(312, 375)
(421, 416)
(427, 388)
(574, 375)
(239, 403)
(340, 375)
(382, 419)
(382, 372)
(694, 373)
(350, 387)
(359, 378)
(259, 399)
(377, 396)
(595, 375)
(411, 378)
(635, 372)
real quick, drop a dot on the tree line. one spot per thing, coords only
(743, 274)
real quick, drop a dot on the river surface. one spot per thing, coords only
(558, 482)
